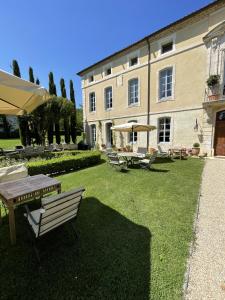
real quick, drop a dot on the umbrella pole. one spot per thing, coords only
(132, 138)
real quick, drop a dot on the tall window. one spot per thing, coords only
(133, 91)
(93, 135)
(164, 130)
(132, 135)
(108, 97)
(165, 83)
(92, 102)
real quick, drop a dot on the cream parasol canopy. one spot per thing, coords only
(18, 96)
(133, 127)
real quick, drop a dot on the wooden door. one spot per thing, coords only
(219, 143)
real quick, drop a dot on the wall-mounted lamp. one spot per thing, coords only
(196, 125)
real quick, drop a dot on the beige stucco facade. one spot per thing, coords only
(192, 59)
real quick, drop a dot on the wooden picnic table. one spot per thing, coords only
(17, 192)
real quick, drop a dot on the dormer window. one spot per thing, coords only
(91, 78)
(167, 47)
(108, 71)
(133, 61)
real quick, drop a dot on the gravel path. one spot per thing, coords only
(206, 278)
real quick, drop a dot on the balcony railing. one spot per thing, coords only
(215, 95)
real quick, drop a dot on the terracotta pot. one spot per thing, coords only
(151, 150)
(214, 97)
(195, 151)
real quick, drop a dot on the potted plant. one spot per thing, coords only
(196, 149)
(213, 85)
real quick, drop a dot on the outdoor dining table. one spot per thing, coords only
(181, 152)
(130, 156)
(17, 192)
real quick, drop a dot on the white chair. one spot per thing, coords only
(54, 212)
(147, 162)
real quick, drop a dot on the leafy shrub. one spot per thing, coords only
(196, 145)
(64, 153)
(64, 163)
(213, 80)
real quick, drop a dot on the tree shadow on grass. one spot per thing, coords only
(110, 260)
(163, 160)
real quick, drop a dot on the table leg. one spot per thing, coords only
(0, 212)
(59, 189)
(12, 226)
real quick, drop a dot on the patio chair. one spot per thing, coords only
(147, 162)
(116, 161)
(162, 153)
(54, 212)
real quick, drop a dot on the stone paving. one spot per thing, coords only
(206, 275)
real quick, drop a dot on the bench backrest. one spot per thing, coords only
(59, 209)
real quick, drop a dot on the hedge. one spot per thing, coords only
(64, 164)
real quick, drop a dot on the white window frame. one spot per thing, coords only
(166, 40)
(93, 134)
(105, 100)
(105, 68)
(133, 55)
(164, 130)
(134, 135)
(90, 104)
(166, 98)
(128, 92)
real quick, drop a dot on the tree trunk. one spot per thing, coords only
(67, 130)
(50, 133)
(57, 132)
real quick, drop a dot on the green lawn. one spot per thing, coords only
(9, 143)
(134, 233)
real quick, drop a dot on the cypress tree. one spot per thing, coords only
(52, 91)
(66, 118)
(31, 75)
(23, 124)
(16, 68)
(73, 118)
(37, 81)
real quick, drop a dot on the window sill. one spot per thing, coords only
(108, 109)
(92, 112)
(165, 99)
(167, 53)
(134, 105)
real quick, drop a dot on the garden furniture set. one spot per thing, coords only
(54, 211)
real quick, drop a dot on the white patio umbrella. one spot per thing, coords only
(133, 127)
(18, 96)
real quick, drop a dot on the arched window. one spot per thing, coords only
(164, 130)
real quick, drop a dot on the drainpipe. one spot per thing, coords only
(148, 99)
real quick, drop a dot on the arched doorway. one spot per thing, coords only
(219, 141)
(109, 137)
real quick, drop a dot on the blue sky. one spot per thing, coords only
(65, 36)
